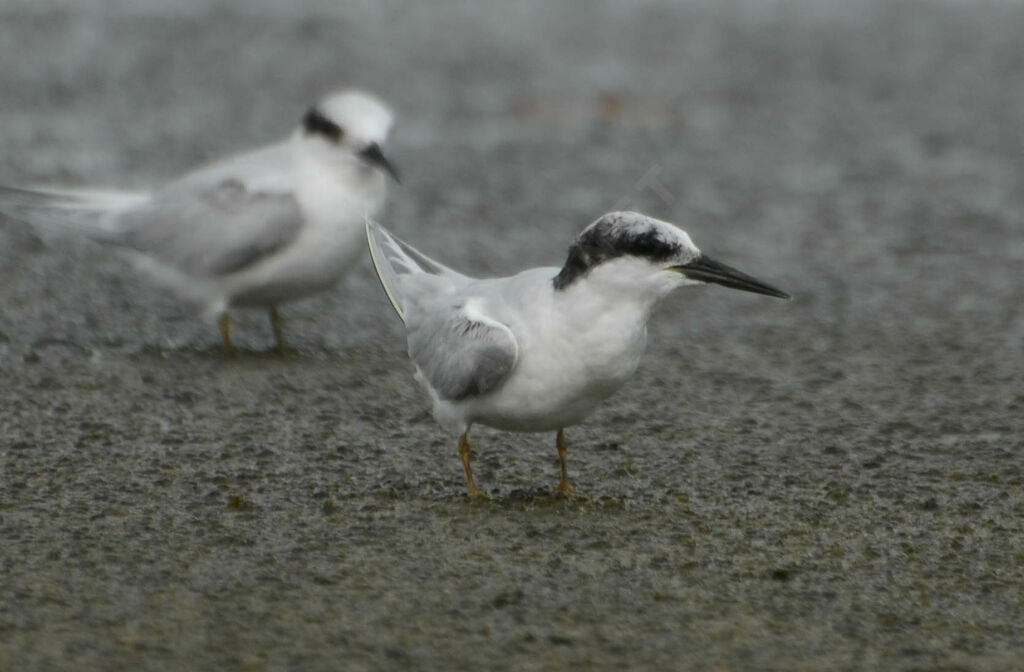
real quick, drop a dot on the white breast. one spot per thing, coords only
(330, 243)
(570, 359)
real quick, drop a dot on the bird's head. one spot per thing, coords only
(353, 123)
(638, 255)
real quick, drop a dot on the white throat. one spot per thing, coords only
(626, 288)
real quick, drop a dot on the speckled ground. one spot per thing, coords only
(829, 483)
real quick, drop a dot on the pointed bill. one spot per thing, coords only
(373, 155)
(705, 269)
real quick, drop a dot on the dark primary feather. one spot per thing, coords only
(615, 235)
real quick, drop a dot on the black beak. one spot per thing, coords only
(374, 156)
(705, 269)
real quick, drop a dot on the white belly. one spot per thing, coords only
(315, 262)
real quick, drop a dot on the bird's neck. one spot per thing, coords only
(590, 301)
(602, 334)
(315, 152)
(329, 166)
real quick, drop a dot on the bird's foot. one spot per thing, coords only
(565, 489)
(475, 494)
(285, 352)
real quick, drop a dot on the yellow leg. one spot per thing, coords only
(277, 322)
(224, 324)
(563, 486)
(471, 488)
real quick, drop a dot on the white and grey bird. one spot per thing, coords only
(538, 351)
(254, 230)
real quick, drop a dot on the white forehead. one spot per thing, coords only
(359, 114)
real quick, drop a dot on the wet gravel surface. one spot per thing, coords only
(829, 483)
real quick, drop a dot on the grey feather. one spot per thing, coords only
(88, 212)
(460, 353)
(215, 231)
(461, 357)
(395, 261)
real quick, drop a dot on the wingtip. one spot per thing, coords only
(370, 223)
(373, 227)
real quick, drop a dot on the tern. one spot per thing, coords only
(539, 350)
(255, 230)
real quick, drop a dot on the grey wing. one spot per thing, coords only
(217, 230)
(461, 352)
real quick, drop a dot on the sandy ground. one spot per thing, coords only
(829, 483)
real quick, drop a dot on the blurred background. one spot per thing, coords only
(833, 482)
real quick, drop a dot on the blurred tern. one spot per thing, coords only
(258, 229)
(537, 351)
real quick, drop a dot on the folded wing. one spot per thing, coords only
(208, 223)
(459, 350)
(218, 230)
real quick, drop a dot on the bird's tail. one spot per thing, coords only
(91, 213)
(404, 271)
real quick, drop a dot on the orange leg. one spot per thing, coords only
(471, 488)
(563, 486)
(224, 324)
(276, 323)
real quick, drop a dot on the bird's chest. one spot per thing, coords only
(335, 215)
(570, 362)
